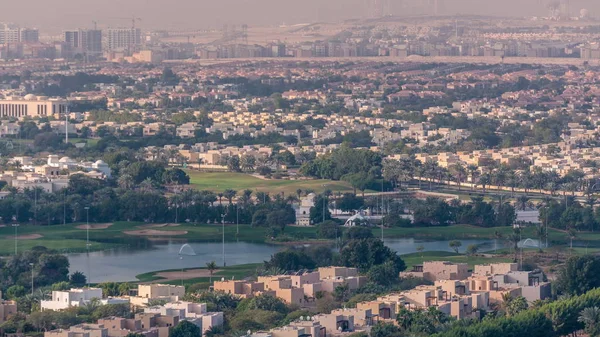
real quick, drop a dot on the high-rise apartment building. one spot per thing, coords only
(10, 33)
(123, 39)
(29, 35)
(84, 41)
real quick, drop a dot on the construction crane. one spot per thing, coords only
(133, 19)
(95, 24)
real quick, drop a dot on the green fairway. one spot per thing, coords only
(69, 238)
(238, 272)
(419, 258)
(88, 141)
(220, 181)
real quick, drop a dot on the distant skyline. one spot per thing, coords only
(55, 15)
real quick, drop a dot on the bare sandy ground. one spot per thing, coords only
(26, 237)
(95, 226)
(158, 225)
(153, 232)
(185, 275)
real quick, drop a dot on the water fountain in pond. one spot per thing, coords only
(530, 243)
(186, 250)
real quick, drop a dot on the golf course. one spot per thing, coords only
(220, 181)
(72, 237)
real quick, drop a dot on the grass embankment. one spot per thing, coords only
(220, 181)
(88, 141)
(419, 258)
(237, 272)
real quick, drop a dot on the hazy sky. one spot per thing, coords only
(59, 14)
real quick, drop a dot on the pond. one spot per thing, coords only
(123, 264)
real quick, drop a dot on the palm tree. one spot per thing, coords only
(497, 236)
(290, 199)
(511, 179)
(473, 171)
(591, 200)
(125, 181)
(590, 317)
(245, 198)
(459, 173)
(540, 232)
(391, 170)
(220, 196)
(431, 169)
(572, 234)
(229, 194)
(525, 180)
(248, 163)
(522, 202)
(515, 238)
(211, 266)
(484, 180)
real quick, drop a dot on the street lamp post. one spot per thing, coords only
(31, 265)
(16, 225)
(181, 260)
(337, 237)
(87, 243)
(382, 229)
(521, 239)
(87, 228)
(323, 210)
(223, 227)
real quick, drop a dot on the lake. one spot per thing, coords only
(123, 264)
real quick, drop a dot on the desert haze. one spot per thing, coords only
(185, 14)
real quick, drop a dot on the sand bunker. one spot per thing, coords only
(26, 237)
(185, 275)
(158, 225)
(95, 226)
(153, 232)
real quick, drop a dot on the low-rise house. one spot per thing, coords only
(149, 292)
(7, 309)
(439, 270)
(295, 288)
(193, 312)
(187, 130)
(76, 297)
(80, 330)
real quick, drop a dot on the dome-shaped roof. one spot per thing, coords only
(65, 160)
(30, 97)
(100, 162)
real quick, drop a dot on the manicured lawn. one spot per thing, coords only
(68, 238)
(418, 258)
(238, 272)
(89, 141)
(220, 181)
(448, 232)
